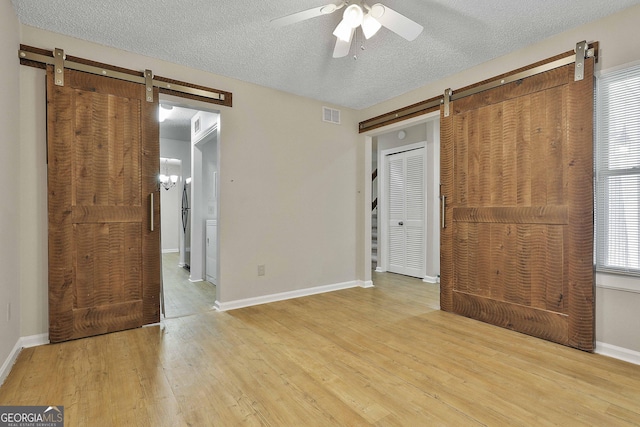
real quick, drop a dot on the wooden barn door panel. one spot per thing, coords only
(103, 158)
(516, 171)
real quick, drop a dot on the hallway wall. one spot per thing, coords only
(10, 242)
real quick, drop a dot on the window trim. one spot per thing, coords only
(609, 277)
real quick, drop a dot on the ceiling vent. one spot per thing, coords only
(330, 115)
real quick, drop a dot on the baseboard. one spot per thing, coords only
(380, 270)
(248, 302)
(23, 342)
(8, 364)
(365, 283)
(170, 251)
(616, 352)
(34, 340)
(430, 279)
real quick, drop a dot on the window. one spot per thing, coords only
(618, 172)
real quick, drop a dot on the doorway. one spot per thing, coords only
(417, 143)
(188, 198)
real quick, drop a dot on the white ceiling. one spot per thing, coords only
(177, 124)
(234, 38)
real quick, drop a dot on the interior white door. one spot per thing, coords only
(406, 213)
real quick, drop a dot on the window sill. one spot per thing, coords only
(618, 282)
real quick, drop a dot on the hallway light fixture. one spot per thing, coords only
(167, 181)
(164, 111)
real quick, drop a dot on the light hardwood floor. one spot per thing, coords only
(182, 297)
(378, 356)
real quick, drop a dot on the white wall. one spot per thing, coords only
(617, 320)
(287, 183)
(171, 205)
(171, 200)
(9, 191)
(177, 149)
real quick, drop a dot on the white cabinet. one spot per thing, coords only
(211, 266)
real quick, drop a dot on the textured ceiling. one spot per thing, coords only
(177, 124)
(234, 38)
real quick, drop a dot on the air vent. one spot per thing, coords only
(330, 115)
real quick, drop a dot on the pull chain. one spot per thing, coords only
(356, 42)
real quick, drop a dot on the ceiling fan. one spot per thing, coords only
(370, 18)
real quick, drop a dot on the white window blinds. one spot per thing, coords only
(618, 172)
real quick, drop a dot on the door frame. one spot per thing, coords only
(432, 213)
(198, 204)
(197, 105)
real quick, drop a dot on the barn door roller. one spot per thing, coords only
(446, 100)
(40, 58)
(582, 52)
(58, 64)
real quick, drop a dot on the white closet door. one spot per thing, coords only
(406, 198)
(395, 180)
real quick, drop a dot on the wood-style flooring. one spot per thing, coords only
(182, 297)
(380, 356)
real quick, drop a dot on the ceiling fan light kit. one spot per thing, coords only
(354, 16)
(370, 26)
(343, 31)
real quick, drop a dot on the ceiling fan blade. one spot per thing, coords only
(399, 24)
(306, 14)
(343, 46)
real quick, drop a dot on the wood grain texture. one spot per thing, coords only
(483, 176)
(474, 162)
(150, 167)
(542, 324)
(404, 113)
(461, 254)
(509, 187)
(461, 160)
(355, 357)
(523, 151)
(522, 206)
(538, 83)
(446, 189)
(59, 201)
(92, 214)
(580, 180)
(496, 158)
(98, 130)
(514, 215)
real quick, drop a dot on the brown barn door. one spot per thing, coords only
(517, 175)
(103, 160)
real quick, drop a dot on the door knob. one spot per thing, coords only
(401, 223)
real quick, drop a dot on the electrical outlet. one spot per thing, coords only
(261, 270)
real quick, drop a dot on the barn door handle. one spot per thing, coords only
(444, 208)
(151, 225)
